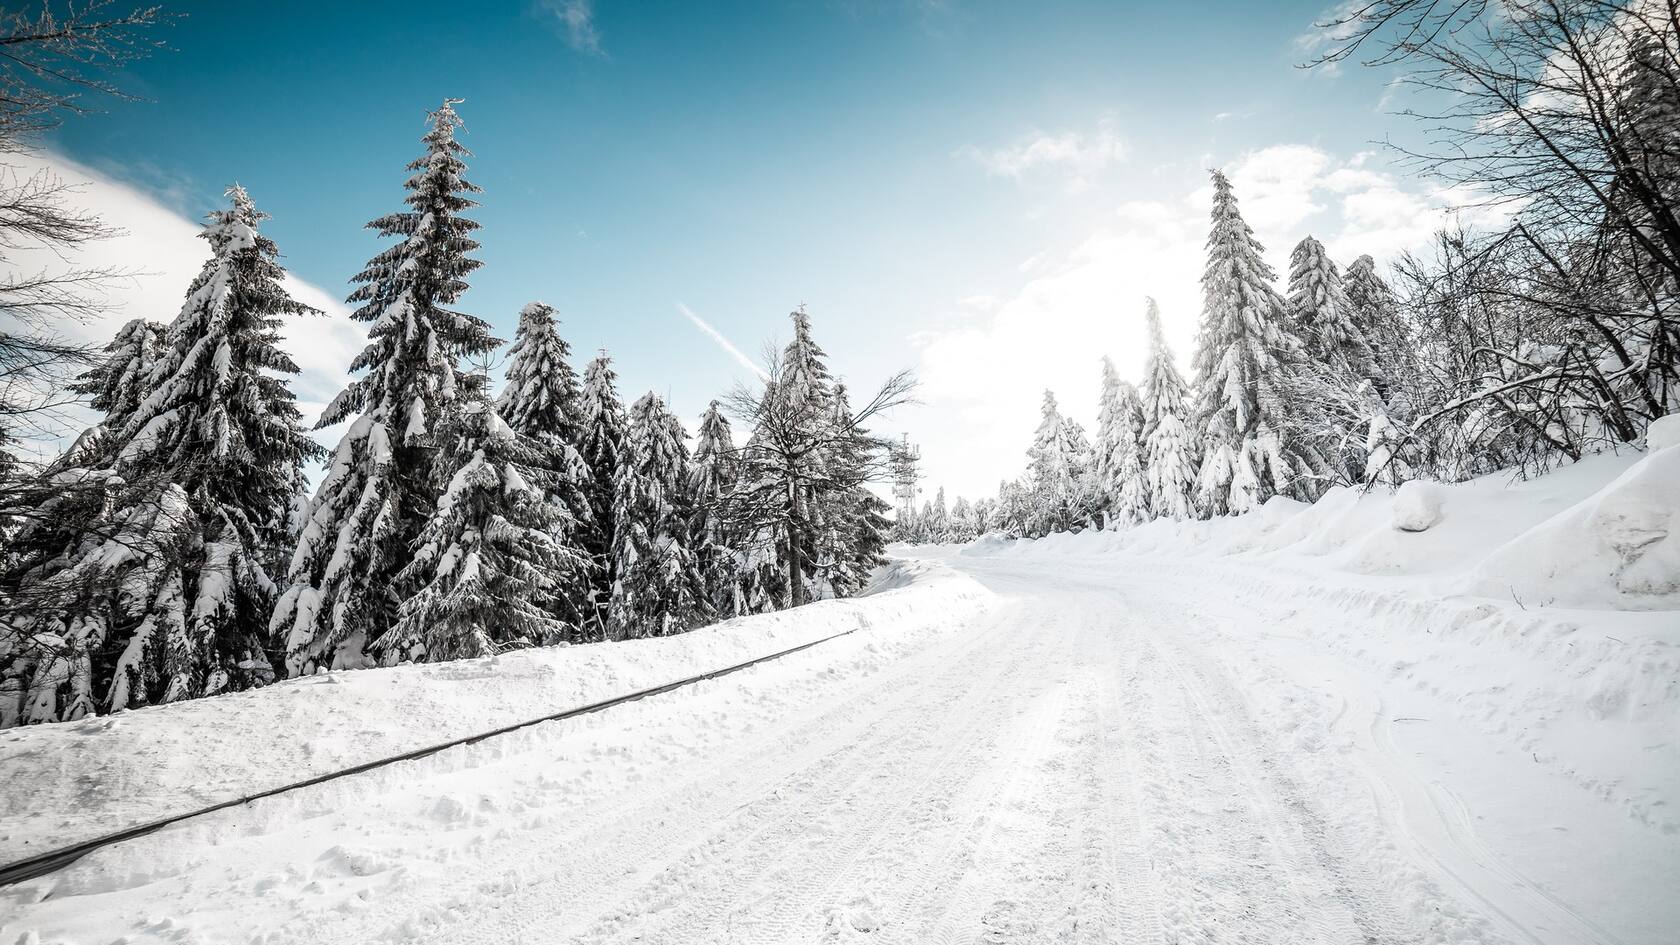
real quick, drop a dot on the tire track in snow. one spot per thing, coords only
(597, 864)
(667, 871)
(1128, 867)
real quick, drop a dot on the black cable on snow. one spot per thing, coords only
(44, 863)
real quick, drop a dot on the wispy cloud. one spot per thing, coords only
(722, 342)
(1329, 30)
(577, 19)
(1079, 153)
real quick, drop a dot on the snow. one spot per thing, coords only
(1417, 505)
(176, 757)
(1299, 725)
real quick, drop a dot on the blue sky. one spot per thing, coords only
(981, 191)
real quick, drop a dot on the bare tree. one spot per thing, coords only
(54, 60)
(797, 458)
(1565, 113)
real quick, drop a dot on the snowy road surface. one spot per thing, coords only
(1099, 758)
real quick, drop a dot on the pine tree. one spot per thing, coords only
(380, 486)
(601, 443)
(1243, 358)
(962, 521)
(1059, 470)
(69, 493)
(488, 563)
(1376, 313)
(1119, 451)
(940, 524)
(714, 476)
(856, 518)
(1169, 465)
(163, 592)
(117, 384)
(543, 403)
(1321, 316)
(1385, 446)
(658, 588)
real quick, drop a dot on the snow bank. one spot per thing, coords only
(76, 780)
(1603, 533)
(1618, 549)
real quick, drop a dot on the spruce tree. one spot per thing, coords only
(1385, 446)
(1321, 316)
(714, 475)
(488, 565)
(543, 403)
(601, 443)
(117, 384)
(163, 592)
(1243, 358)
(380, 486)
(1119, 451)
(1376, 313)
(962, 521)
(658, 587)
(1169, 463)
(940, 525)
(850, 521)
(1059, 467)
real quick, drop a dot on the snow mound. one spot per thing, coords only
(1619, 548)
(1663, 433)
(987, 545)
(1417, 506)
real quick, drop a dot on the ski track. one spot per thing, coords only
(1072, 768)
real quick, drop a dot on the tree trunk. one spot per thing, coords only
(795, 561)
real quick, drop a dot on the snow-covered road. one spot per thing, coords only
(1099, 757)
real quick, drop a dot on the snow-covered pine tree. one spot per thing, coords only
(1385, 446)
(1243, 358)
(380, 486)
(164, 593)
(1059, 470)
(1376, 313)
(601, 435)
(962, 520)
(658, 589)
(1321, 316)
(1645, 195)
(543, 402)
(116, 386)
(70, 492)
(855, 518)
(1328, 411)
(939, 526)
(1169, 465)
(714, 474)
(1125, 499)
(488, 563)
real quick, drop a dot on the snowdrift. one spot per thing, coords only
(1601, 534)
(76, 780)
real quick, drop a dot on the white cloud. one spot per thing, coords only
(577, 19)
(1076, 154)
(982, 376)
(160, 247)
